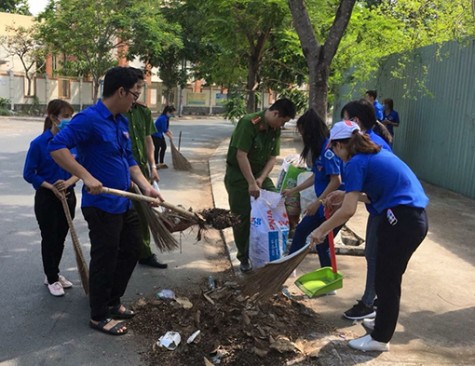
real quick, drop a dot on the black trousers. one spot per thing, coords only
(160, 147)
(395, 246)
(54, 228)
(115, 241)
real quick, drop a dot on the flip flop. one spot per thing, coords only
(117, 314)
(115, 330)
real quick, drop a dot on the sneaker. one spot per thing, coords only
(56, 289)
(62, 280)
(367, 343)
(162, 166)
(368, 324)
(375, 303)
(359, 311)
(245, 266)
(152, 261)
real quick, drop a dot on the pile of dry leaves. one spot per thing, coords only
(233, 330)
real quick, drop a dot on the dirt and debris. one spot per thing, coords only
(216, 218)
(219, 218)
(233, 330)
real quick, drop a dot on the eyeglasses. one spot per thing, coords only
(135, 95)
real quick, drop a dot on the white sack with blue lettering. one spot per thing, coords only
(269, 228)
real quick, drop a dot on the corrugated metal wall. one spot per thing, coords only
(436, 137)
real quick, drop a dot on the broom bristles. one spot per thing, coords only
(269, 279)
(178, 160)
(163, 239)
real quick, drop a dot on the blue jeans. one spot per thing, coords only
(370, 253)
(303, 230)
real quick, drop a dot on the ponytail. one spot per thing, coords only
(382, 131)
(48, 124)
(359, 143)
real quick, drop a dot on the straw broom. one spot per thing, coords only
(216, 217)
(137, 197)
(163, 239)
(268, 280)
(178, 160)
(81, 263)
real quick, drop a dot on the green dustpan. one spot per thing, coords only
(319, 282)
(323, 280)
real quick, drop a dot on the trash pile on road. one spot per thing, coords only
(220, 326)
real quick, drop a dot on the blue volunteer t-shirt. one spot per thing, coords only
(325, 165)
(378, 110)
(386, 179)
(104, 149)
(378, 140)
(40, 166)
(392, 116)
(161, 124)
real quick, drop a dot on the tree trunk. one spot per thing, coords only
(318, 84)
(319, 57)
(28, 78)
(253, 66)
(95, 90)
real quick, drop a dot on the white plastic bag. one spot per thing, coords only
(269, 228)
(307, 196)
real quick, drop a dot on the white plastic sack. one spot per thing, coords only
(307, 196)
(269, 228)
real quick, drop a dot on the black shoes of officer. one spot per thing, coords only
(152, 261)
(245, 266)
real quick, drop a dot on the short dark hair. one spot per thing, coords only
(138, 72)
(118, 77)
(362, 109)
(168, 109)
(284, 106)
(372, 93)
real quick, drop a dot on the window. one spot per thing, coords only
(64, 88)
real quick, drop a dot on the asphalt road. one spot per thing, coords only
(39, 329)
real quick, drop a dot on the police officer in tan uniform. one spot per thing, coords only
(252, 153)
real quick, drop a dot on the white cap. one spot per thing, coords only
(343, 130)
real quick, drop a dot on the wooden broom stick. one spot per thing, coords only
(117, 192)
(81, 263)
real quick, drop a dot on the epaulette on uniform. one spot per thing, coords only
(256, 120)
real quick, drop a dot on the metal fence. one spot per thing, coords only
(435, 98)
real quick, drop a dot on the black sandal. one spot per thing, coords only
(115, 330)
(125, 314)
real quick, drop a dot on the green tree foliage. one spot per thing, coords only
(234, 38)
(157, 42)
(376, 32)
(23, 42)
(88, 32)
(15, 6)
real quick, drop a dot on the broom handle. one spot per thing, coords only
(331, 244)
(179, 141)
(138, 197)
(81, 263)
